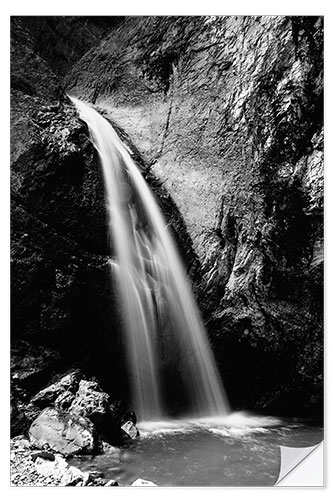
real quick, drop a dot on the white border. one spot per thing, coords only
(171, 7)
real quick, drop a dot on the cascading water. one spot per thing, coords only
(161, 320)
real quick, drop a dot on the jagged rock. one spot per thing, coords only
(112, 482)
(97, 482)
(55, 468)
(64, 401)
(94, 474)
(18, 420)
(243, 158)
(143, 482)
(33, 368)
(233, 105)
(20, 443)
(60, 273)
(91, 402)
(63, 434)
(130, 430)
(45, 455)
(58, 392)
(72, 476)
(128, 416)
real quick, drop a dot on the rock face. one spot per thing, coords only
(228, 111)
(62, 295)
(62, 40)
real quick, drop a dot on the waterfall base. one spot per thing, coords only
(237, 450)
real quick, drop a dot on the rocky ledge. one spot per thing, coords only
(31, 467)
(72, 416)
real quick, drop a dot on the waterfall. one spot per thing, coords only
(163, 328)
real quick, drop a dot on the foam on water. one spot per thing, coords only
(234, 424)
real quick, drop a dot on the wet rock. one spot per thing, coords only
(55, 468)
(31, 369)
(58, 393)
(45, 455)
(64, 401)
(18, 419)
(143, 482)
(63, 434)
(91, 402)
(72, 476)
(130, 430)
(128, 416)
(112, 482)
(94, 474)
(20, 443)
(108, 448)
(97, 482)
(244, 160)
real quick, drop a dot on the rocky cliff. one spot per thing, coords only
(225, 117)
(228, 112)
(62, 296)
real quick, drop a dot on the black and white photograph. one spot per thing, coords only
(166, 249)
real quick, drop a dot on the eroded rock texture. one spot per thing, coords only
(228, 111)
(62, 297)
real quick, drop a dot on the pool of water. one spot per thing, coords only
(238, 450)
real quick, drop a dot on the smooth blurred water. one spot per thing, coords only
(238, 450)
(167, 346)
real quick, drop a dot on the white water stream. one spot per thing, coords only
(163, 328)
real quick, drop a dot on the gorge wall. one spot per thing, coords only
(63, 302)
(226, 117)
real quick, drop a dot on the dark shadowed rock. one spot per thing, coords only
(91, 402)
(112, 482)
(60, 393)
(64, 401)
(45, 455)
(228, 111)
(18, 420)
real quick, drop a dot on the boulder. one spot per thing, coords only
(97, 482)
(143, 482)
(63, 434)
(55, 393)
(91, 402)
(91, 477)
(130, 430)
(64, 401)
(55, 468)
(20, 443)
(71, 477)
(112, 482)
(46, 455)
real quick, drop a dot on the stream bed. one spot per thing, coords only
(238, 450)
